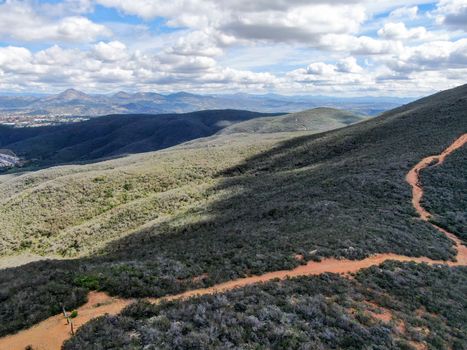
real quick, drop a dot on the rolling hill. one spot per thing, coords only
(114, 135)
(74, 201)
(315, 120)
(117, 135)
(191, 217)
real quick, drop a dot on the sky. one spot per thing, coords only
(294, 47)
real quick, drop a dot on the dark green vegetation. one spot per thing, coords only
(114, 135)
(423, 305)
(318, 120)
(446, 193)
(49, 289)
(247, 208)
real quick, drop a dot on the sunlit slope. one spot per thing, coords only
(313, 120)
(72, 210)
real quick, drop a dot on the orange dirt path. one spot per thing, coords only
(413, 176)
(52, 332)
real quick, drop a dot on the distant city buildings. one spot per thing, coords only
(24, 120)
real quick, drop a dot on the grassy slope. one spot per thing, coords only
(340, 193)
(424, 305)
(317, 120)
(76, 209)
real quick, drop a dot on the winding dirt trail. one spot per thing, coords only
(52, 332)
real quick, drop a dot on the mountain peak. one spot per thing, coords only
(72, 94)
(122, 94)
(182, 94)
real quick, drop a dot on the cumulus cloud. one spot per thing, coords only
(15, 59)
(111, 64)
(110, 52)
(398, 31)
(436, 55)
(20, 21)
(452, 13)
(283, 45)
(303, 24)
(275, 20)
(348, 65)
(328, 77)
(201, 43)
(359, 45)
(320, 68)
(345, 65)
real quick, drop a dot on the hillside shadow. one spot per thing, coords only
(340, 194)
(114, 136)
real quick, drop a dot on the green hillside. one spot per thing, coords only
(222, 210)
(316, 120)
(69, 211)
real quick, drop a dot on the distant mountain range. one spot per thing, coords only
(76, 103)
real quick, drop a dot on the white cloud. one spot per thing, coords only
(348, 65)
(20, 21)
(398, 31)
(110, 52)
(320, 68)
(111, 65)
(432, 56)
(301, 24)
(359, 45)
(65, 8)
(404, 12)
(15, 59)
(218, 44)
(200, 43)
(277, 21)
(452, 13)
(149, 9)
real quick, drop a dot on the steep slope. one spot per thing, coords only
(315, 120)
(445, 194)
(253, 208)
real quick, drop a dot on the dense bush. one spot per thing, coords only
(424, 297)
(322, 312)
(40, 291)
(446, 193)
